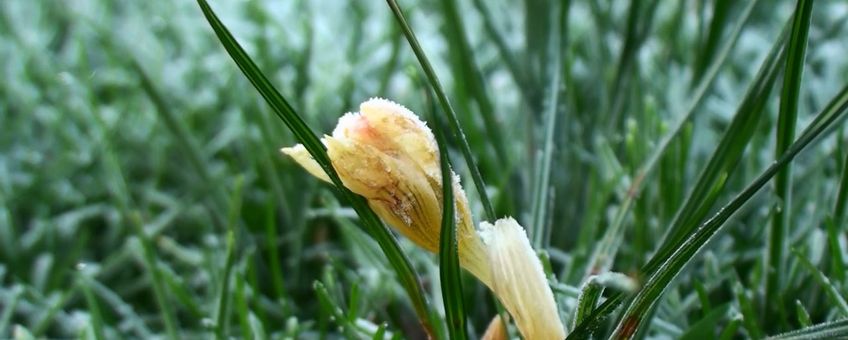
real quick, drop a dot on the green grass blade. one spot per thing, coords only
(156, 279)
(603, 255)
(449, 271)
(372, 224)
(541, 196)
(222, 316)
(842, 197)
(787, 120)
(446, 107)
(828, 286)
(802, 314)
(515, 71)
(94, 308)
(726, 156)
(828, 330)
(685, 252)
(473, 77)
(720, 11)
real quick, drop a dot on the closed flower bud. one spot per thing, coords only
(519, 281)
(389, 156)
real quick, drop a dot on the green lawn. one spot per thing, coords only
(680, 167)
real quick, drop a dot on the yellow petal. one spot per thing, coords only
(302, 157)
(519, 281)
(397, 191)
(394, 130)
(496, 330)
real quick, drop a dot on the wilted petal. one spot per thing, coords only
(519, 281)
(405, 132)
(389, 156)
(397, 192)
(302, 157)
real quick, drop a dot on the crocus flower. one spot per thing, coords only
(389, 156)
(386, 154)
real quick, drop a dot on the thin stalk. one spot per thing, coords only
(787, 120)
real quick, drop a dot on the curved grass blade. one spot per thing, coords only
(541, 194)
(449, 272)
(222, 316)
(603, 255)
(842, 197)
(828, 286)
(498, 38)
(370, 222)
(828, 330)
(786, 122)
(727, 154)
(446, 107)
(473, 77)
(683, 254)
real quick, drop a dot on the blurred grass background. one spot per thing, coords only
(132, 147)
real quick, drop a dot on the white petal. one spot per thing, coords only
(519, 281)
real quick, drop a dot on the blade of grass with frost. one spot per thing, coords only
(593, 321)
(516, 72)
(96, 321)
(541, 194)
(786, 122)
(684, 253)
(446, 107)
(370, 221)
(637, 28)
(720, 11)
(449, 272)
(473, 77)
(151, 264)
(222, 315)
(842, 196)
(829, 287)
(604, 253)
(827, 330)
(727, 154)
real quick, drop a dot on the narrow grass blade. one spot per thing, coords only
(727, 154)
(541, 195)
(842, 197)
(473, 77)
(93, 307)
(828, 286)
(516, 72)
(590, 294)
(720, 11)
(786, 122)
(828, 330)
(603, 255)
(156, 280)
(449, 272)
(371, 223)
(685, 252)
(802, 314)
(446, 107)
(222, 316)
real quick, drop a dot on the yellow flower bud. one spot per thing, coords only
(389, 156)
(519, 281)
